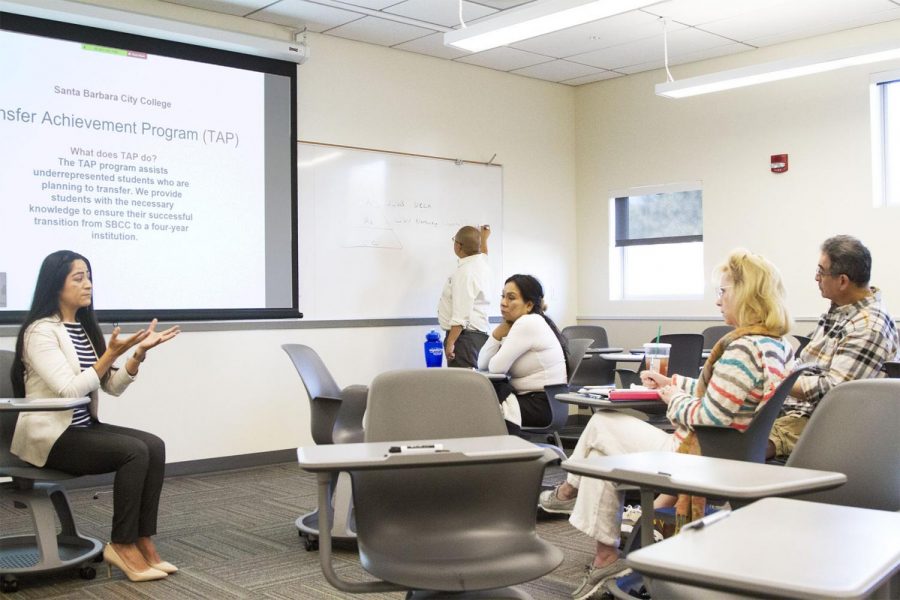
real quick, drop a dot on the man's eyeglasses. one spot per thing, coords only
(820, 272)
(720, 291)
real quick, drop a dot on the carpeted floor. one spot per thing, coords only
(232, 534)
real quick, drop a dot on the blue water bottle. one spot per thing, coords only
(434, 349)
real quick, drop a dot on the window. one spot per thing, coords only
(886, 138)
(657, 243)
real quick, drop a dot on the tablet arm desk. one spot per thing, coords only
(675, 473)
(781, 548)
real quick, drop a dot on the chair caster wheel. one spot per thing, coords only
(9, 584)
(310, 544)
(87, 572)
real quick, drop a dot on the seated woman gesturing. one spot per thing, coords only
(61, 352)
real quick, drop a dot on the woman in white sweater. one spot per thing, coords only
(61, 352)
(529, 347)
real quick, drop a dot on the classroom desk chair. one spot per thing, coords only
(446, 501)
(35, 488)
(335, 418)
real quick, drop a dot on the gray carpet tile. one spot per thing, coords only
(232, 534)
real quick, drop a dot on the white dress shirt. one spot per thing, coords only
(464, 301)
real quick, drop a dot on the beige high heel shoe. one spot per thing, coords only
(112, 558)
(164, 566)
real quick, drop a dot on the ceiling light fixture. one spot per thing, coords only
(534, 19)
(778, 70)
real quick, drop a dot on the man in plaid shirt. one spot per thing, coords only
(852, 340)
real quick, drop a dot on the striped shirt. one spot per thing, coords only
(81, 417)
(742, 381)
(850, 342)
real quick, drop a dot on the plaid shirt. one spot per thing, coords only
(850, 342)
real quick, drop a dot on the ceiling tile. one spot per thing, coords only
(696, 12)
(793, 17)
(597, 35)
(504, 59)
(557, 70)
(659, 63)
(432, 45)
(600, 76)
(503, 4)
(373, 4)
(441, 12)
(811, 29)
(299, 14)
(229, 7)
(680, 42)
(374, 30)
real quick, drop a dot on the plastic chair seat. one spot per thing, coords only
(713, 334)
(35, 473)
(892, 368)
(477, 541)
(593, 332)
(593, 370)
(559, 416)
(854, 431)
(749, 445)
(428, 568)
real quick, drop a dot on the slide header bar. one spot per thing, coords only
(145, 25)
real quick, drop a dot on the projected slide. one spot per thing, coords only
(152, 167)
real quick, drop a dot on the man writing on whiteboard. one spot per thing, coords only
(462, 310)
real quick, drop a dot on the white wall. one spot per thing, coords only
(627, 136)
(212, 394)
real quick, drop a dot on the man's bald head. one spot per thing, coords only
(469, 240)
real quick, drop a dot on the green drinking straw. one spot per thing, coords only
(658, 333)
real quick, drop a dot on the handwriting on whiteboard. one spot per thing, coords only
(378, 222)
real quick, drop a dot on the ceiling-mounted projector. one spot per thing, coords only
(175, 31)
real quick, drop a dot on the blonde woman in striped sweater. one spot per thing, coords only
(740, 375)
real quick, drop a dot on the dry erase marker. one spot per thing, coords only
(416, 448)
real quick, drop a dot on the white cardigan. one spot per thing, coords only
(52, 371)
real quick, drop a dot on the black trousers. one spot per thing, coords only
(467, 346)
(534, 406)
(138, 459)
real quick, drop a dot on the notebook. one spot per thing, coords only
(615, 395)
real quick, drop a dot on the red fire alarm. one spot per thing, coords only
(779, 163)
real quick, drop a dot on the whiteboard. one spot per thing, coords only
(375, 229)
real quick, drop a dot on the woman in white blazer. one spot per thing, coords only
(61, 352)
